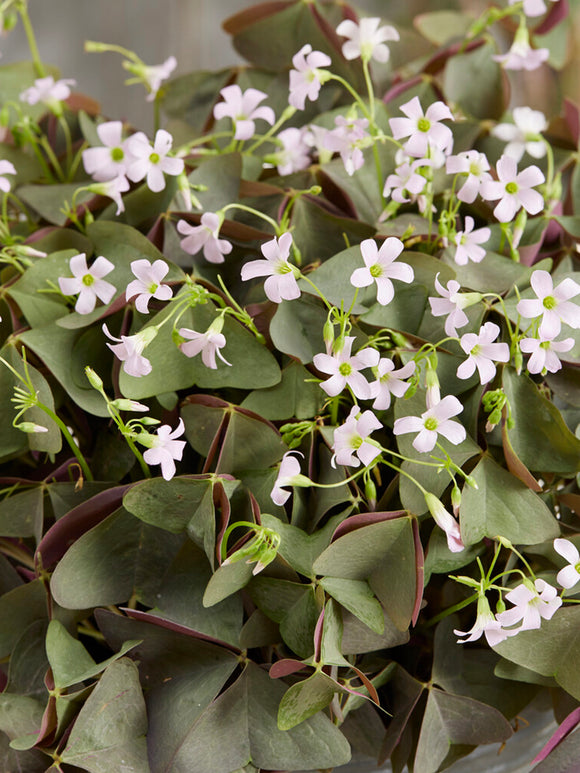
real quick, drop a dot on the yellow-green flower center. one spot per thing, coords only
(549, 302)
(117, 154)
(356, 442)
(430, 423)
(376, 270)
(152, 288)
(345, 369)
(154, 158)
(88, 280)
(511, 188)
(423, 124)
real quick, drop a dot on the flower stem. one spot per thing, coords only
(34, 52)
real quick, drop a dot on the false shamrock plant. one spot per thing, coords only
(290, 426)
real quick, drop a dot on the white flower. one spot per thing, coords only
(485, 623)
(295, 153)
(6, 167)
(524, 134)
(205, 236)
(151, 161)
(148, 283)
(281, 283)
(389, 382)
(348, 139)
(406, 180)
(113, 190)
(165, 448)
(380, 267)
(350, 444)
(129, 350)
(90, 285)
(476, 166)
(154, 75)
(514, 190)
(208, 343)
(288, 475)
(110, 161)
(569, 576)
(243, 109)
(522, 56)
(344, 369)
(446, 522)
(483, 353)
(452, 304)
(306, 79)
(544, 353)
(553, 303)
(530, 605)
(48, 91)
(424, 130)
(468, 242)
(435, 420)
(366, 39)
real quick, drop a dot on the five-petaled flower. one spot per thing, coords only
(348, 139)
(205, 236)
(524, 134)
(164, 448)
(424, 130)
(89, 284)
(366, 39)
(48, 91)
(242, 108)
(380, 267)
(294, 154)
(129, 350)
(110, 161)
(148, 283)
(208, 343)
(155, 74)
(390, 381)
(281, 283)
(485, 623)
(433, 422)
(514, 189)
(569, 576)
(468, 243)
(306, 78)
(406, 183)
(344, 369)
(522, 56)
(446, 522)
(288, 475)
(553, 304)
(531, 604)
(473, 164)
(452, 304)
(152, 161)
(483, 353)
(543, 351)
(351, 446)
(113, 190)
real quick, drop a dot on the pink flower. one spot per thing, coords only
(514, 190)
(152, 161)
(532, 7)
(48, 91)
(348, 139)
(90, 285)
(522, 56)
(6, 167)
(110, 161)
(424, 130)
(406, 180)
(468, 242)
(380, 267)
(306, 79)
(530, 605)
(485, 623)
(482, 353)
(113, 190)
(205, 236)
(208, 343)
(350, 439)
(446, 522)
(281, 283)
(434, 421)
(344, 369)
(569, 576)
(156, 74)
(130, 350)
(452, 304)
(390, 382)
(552, 303)
(243, 109)
(148, 283)
(295, 153)
(544, 357)
(366, 39)
(288, 475)
(165, 448)
(524, 134)
(476, 166)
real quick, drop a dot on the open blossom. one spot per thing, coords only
(148, 283)
(451, 304)
(344, 369)
(48, 91)
(208, 344)
(446, 522)
(543, 352)
(109, 161)
(6, 167)
(351, 446)
(156, 74)
(532, 7)
(433, 422)
(569, 576)
(406, 182)
(553, 304)
(424, 130)
(473, 164)
(288, 475)
(483, 353)
(530, 605)
(306, 77)
(348, 139)
(366, 39)
(113, 190)
(380, 267)
(485, 623)
(89, 284)
(205, 236)
(129, 350)
(281, 284)
(514, 189)
(390, 381)
(242, 108)
(152, 161)
(522, 56)
(295, 153)
(468, 243)
(165, 448)
(524, 134)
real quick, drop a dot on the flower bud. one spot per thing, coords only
(30, 427)
(123, 404)
(500, 606)
(371, 491)
(455, 496)
(94, 379)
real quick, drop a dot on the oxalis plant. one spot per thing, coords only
(290, 401)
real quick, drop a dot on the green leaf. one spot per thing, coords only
(306, 698)
(296, 328)
(18, 609)
(358, 598)
(49, 200)
(226, 580)
(404, 312)
(544, 444)
(488, 100)
(22, 513)
(190, 98)
(503, 506)
(42, 308)
(109, 732)
(293, 397)
(440, 27)
(20, 715)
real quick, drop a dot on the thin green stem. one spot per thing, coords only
(253, 211)
(370, 89)
(455, 608)
(30, 37)
(69, 439)
(68, 142)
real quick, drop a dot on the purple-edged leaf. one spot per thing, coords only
(285, 667)
(306, 698)
(557, 13)
(563, 730)
(358, 598)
